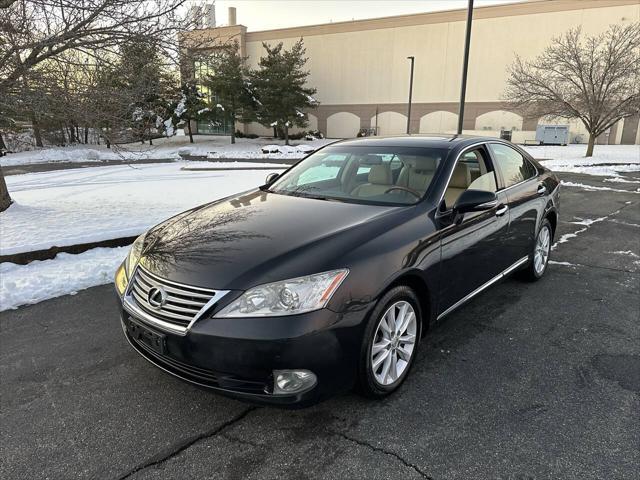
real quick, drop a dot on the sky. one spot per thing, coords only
(269, 14)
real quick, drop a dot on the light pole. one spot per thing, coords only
(410, 94)
(465, 66)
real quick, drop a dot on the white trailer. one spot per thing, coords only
(552, 134)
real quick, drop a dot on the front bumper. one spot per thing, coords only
(237, 356)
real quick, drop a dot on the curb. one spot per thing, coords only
(24, 258)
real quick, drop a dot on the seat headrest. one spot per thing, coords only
(380, 174)
(460, 177)
(420, 163)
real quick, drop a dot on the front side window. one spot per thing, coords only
(472, 171)
(512, 164)
(372, 175)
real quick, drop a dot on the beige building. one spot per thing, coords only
(361, 71)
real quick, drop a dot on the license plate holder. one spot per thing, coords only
(154, 340)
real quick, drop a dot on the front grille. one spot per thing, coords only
(183, 302)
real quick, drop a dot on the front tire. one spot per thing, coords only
(390, 342)
(537, 266)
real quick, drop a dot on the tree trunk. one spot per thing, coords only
(86, 135)
(36, 131)
(286, 135)
(72, 135)
(190, 132)
(3, 146)
(592, 141)
(233, 135)
(5, 198)
(275, 133)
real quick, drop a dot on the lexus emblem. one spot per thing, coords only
(157, 297)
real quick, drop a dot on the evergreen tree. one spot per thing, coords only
(143, 86)
(188, 106)
(280, 88)
(229, 85)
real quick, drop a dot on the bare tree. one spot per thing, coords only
(594, 78)
(34, 32)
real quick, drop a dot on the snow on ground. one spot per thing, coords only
(172, 148)
(607, 160)
(67, 207)
(65, 274)
(593, 188)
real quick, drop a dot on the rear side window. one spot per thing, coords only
(514, 167)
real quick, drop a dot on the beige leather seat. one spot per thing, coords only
(460, 180)
(417, 173)
(380, 180)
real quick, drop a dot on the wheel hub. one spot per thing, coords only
(394, 342)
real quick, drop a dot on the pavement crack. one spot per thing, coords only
(587, 223)
(599, 267)
(384, 451)
(183, 445)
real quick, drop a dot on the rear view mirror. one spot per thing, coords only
(475, 201)
(272, 177)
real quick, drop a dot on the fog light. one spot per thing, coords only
(287, 382)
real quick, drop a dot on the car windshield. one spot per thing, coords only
(373, 175)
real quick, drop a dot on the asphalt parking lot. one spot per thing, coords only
(527, 381)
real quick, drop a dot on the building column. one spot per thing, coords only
(630, 130)
(322, 121)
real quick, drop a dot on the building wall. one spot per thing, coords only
(358, 67)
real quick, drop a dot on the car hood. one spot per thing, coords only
(258, 237)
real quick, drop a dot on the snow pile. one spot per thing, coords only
(174, 148)
(594, 188)
(288, 150)
(607, 160)
(68, 207)
(65, 274)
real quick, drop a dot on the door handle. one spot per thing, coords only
(501, 210)
(541, 190)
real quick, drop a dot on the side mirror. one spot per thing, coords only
(475, 201)
(272, 177)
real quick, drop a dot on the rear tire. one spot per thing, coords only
(390, 342)
(539, 258)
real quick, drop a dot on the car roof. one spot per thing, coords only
(426, 141)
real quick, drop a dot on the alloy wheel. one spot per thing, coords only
(394, 343)
(541, 253)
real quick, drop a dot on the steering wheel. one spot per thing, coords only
(405, 189)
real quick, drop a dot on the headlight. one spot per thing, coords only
(134, 255)
(288, 297)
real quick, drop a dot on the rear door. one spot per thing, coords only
(472, 249)
(524, 197)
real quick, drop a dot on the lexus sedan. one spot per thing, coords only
(328, 275)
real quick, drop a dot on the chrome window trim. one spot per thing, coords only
(483, 287)
(130, 306)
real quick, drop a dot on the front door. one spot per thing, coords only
(471, 248)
